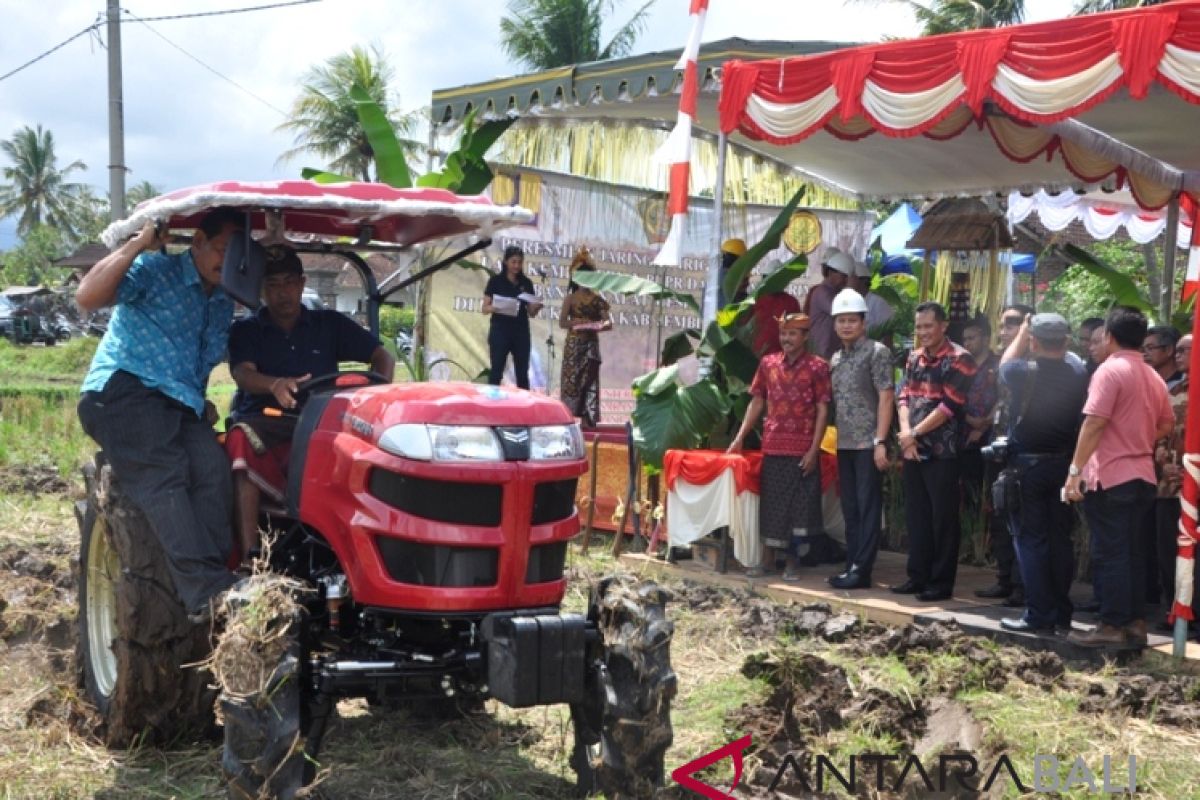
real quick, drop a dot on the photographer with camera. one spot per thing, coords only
(1037, 453)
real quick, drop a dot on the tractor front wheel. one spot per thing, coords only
(623, 729)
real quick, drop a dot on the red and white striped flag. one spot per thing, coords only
(1191, 282)
(677, 149)
(1190, 492)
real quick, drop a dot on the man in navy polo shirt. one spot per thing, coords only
(143, 397)
(270, 355)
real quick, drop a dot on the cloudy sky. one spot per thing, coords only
(185, 124)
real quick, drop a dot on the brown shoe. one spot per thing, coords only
(1135, 633)
(1108, 636)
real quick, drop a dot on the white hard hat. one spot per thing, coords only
(836, 259)
(848, 301)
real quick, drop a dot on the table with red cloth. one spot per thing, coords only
(709, 489)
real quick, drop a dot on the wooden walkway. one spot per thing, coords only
(880, 605)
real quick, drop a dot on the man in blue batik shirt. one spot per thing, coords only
(143, 398)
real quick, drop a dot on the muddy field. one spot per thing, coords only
(811, 687)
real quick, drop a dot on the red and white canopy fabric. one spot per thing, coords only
(990, 110)
(366, 212)
(1102, 216)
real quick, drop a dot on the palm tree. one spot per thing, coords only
(951, 16)
(36, 188)
(140, 193)
(324, 117)
(543, 34)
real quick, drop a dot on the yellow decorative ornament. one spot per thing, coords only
(829, 441)
(803, 233)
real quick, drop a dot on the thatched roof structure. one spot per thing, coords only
(962, 224)
(84, 258)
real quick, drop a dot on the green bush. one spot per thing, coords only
(393, 319)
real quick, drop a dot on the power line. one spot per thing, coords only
(210, 68)
(54, 49)
(228, 11)
(96, 26)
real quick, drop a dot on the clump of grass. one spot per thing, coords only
(43, 428)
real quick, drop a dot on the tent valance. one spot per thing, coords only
(1024, 86)
(1101, 217)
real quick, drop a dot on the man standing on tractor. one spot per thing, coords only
(270, 355)
(143, 397)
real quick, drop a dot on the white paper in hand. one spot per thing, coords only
(508, 306)
(529, 298)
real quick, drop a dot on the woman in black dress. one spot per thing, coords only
(510, 333)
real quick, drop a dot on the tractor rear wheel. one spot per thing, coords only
(623, 729)
(136, 651)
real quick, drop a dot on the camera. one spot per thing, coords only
(997, 451)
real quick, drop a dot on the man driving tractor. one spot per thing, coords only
(143, 397)
(270, 355)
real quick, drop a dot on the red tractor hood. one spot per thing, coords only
(451, 404)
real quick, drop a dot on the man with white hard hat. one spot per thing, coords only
(836, 269)
(863, 401)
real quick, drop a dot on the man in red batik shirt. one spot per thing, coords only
(794, 388)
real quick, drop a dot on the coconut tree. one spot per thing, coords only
(951, 16)
(35, 187)
(542, 34)
(140, 193)
(324, 117)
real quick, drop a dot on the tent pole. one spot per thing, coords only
(1168, 273)
(713, 283)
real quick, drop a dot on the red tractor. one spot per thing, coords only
(424, 535)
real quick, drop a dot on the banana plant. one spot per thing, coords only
(465, 171)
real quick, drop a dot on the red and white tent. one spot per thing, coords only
(1098, 100)
(1066, 103)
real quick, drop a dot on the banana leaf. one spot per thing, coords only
(744, 265)
(466, 171)
(781, 278)
(1124, 291)
(617, 283)
(321, 176)
(737, 361)
(674, 416)
(679, 346)
(390, 165)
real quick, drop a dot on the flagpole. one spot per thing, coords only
(1181, 611)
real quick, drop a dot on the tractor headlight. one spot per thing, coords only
(407, 441)
(464, 443)
(555, 442)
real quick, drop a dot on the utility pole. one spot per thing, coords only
(116, 116)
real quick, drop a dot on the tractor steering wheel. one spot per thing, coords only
(339, 380)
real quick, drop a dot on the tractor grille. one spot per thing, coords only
(440, 501)
(437, 565)
(553, 501)
(546, 562)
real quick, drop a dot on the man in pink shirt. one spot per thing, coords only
(1114, 464)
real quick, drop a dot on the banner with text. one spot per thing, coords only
(623, 228)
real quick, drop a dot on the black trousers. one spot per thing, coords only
(1043, 541)
(1118, 549)
(861, 486)
(170, 465)
(504, 340)
(978, 475)
(931, 514)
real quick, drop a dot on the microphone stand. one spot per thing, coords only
(549, 336)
